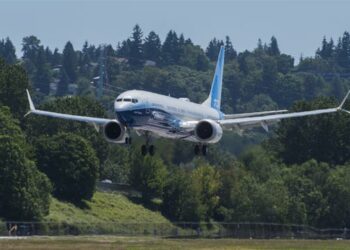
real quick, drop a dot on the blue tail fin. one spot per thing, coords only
(214, 99)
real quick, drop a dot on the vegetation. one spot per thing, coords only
(297, 174)
(70, 163)
(24, 191)
(108, 242)
(104, 213)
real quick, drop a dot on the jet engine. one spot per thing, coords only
(114, 132)
(208, 131)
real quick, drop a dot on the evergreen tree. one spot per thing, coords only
(7, 51)
(327, 49)
(230, 53)
(152, 47)
(171, 50)
(123, 49)
(69, 61)
(62, 86)
(136, 53)
(273, 49)
(42, 75)
(343, 50)
(56, 58)
(213, 49)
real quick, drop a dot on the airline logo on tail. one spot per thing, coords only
(214, 99)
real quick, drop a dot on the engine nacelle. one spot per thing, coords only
(114, 131)
(208, 131)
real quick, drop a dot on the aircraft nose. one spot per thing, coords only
(121, 105)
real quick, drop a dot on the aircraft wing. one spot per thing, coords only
(234, 116)
(264, 120)
(93, 120)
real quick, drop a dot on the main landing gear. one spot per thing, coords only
(147, 148)
(201, 149)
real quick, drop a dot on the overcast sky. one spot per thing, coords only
(298, 25)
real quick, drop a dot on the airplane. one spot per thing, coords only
(153, 115)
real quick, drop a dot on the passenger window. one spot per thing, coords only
(119, 100)
(127, 100)
(134, 100)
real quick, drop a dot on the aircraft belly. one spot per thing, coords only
(156, 121)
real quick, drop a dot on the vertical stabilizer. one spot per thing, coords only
(214, 99)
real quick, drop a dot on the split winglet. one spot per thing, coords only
(343, 102)
(31, 105)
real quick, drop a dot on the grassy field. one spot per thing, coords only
(113, 242)
(105, 213)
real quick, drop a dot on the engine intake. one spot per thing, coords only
(114, 132)
(208, 131)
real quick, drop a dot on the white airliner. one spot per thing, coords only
(154, 115)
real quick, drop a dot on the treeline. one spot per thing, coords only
(260, 79)
(300, 175)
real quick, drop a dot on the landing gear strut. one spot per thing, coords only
(201, 149)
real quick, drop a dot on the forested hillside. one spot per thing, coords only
(299, 173)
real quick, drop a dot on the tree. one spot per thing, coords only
(207, 181)
(8, 51)
(213, 49)
(230, 53)
(327, 49)
(13, 82)
(30, 47)
(337, 190)
(56, 58)
(42, 75)
(136, 52)
(123, 49)
(152, 47)
(323, 138)
(36, 126)
(171, 49)
(273, 49)
(181, 201)
(70, 163)
(62, 86)
(148, 175)
(69, 61)
(24, 191)
(343, 50)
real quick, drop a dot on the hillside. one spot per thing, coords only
(105, 213)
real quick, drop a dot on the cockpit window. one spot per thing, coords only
(134, 100)
(119, 100)
(127, 99)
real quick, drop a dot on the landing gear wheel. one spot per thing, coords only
(151, 150)
(204, 150)
(196, 150)
(143, 150)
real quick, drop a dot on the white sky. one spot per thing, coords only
(298, 25)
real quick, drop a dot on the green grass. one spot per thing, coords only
(105, 213)
(113, 242)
